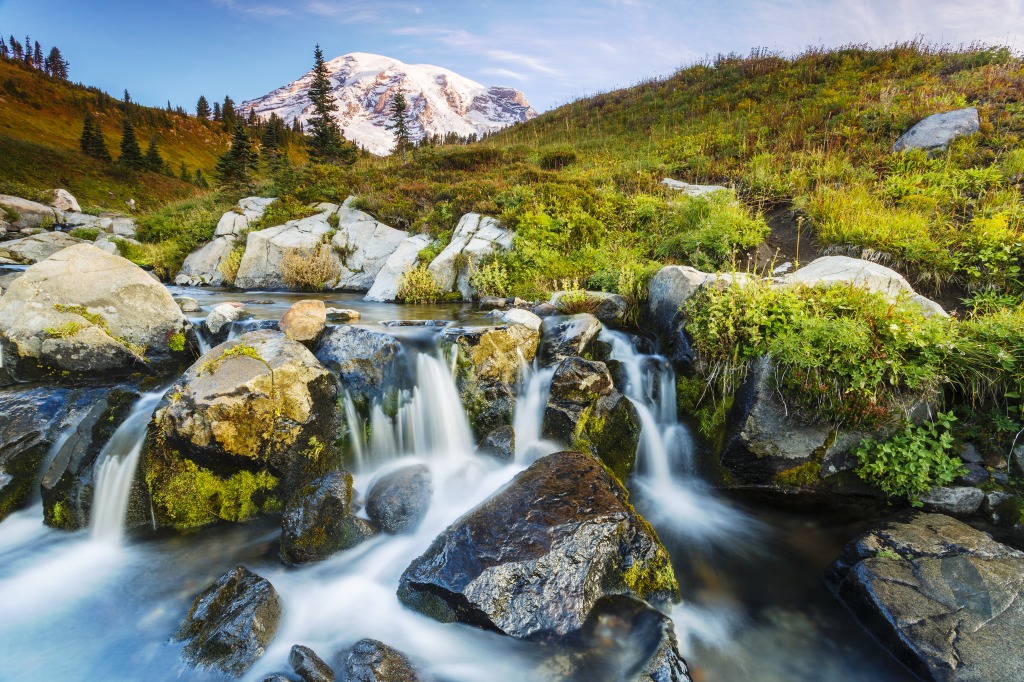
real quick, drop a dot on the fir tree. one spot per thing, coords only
(37, 56)
(28, 51)
(183, 173)
(228, 115)
(152, 161)
(92, 142)
(16, 51)
(4, 51)
(399, 125)
(216, 112)
(56, 65)
(131, 155)
(236, 166)
(88, 130)
(203, 109)
(200, 180)
(326, 141)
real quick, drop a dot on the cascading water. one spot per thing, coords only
(532, 398)
(430, 428)
(116, 469)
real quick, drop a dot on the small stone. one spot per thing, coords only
(976, 475)
(309, 666)
(398, 501)
(188, 304)
(373, 661)
(304, 322)
(221, 317)
(342, 315)
(953, 501)
(544, 310)
(970, 455)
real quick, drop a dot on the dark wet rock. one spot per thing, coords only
(969, 454)
(309, 666)
(532, 560)
(319, 521)
(623, 639)
(976, 476)
(563, 337)
(373, 661)
(416, 323)
(953, 501)
(247, 424)
(277, 677)
(231, 622)
(366, 363)
(946, 599)
(398, 501)
(499, 444)
(68, 484)
(545, 310)
(492, 303)
(586, 412)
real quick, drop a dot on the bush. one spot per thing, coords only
(309, 269)
(229, 266)
(490, 279)
(709, 232)
(417, 285)
(89, 234)
(557, 158)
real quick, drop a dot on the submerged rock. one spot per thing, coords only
(532, 560)
(247, 424)
(318, 520)
(373, 661)
(231, 622)
(499, 444)
(946, 599)
(938, 130)
(398, 501)
(563, 337)
(309, 666)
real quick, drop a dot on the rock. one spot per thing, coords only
(398, 501)
(829, 270)
(475, 238)
(84, 310)
(367, 364)
(309, 666)
(953, 501)
(245, 426)
(611, 309)
(206, 265)
(261, 265)
(1016, 462)
(218, 321)
(68, 484)
(318, 520)
(104, 244)
(523, 317)
(188, 304)
(670, 288)
(231, 623)
(562, 337)
(938, 130)
(64, 201)
(123, 227)
(532, 560)
(24, 213)
(586, 413)
(385, 285)
(492, 303)
(304, 322)
(692, 190)
(969, 454)
(342, 314)
(277, 677)
(365, 245)
(499, 444)
(373, 661)
(944, 598)
(37, 247)
(543, 310)
(977, 475)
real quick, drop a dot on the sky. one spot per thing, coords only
(555, 51)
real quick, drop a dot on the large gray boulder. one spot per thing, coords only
(398, 501)
(938, 130)
(206, 264)
(532, 560)
(562, 337)
(62, 200)
(946, 599)
(476, 237)
(670, 288)
(865, 274)
(37, 247)
(365, 245)
(385, 284)
(231, 622)
(366, 363)
(247, 424)
(85, 310)
(24, 213)
(261, 265)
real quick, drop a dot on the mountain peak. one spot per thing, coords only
(440, 100)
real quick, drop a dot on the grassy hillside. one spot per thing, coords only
(40, 126)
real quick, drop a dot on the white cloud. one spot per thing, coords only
(257, 10)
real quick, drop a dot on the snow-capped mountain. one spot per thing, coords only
(364, 86)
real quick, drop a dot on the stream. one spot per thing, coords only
(104, 605)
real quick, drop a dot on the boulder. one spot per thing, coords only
(123, 227)
(610, 309)
(670, 288)
(231, 622)
(532, 560)
(206, 264)
(188, 304)
(366, 363)
(261, 265)
(309, 666)
(341, 314)
(398, 501)
(523, 317)
(934, 133)
(373, 661)
(961, 501)
(24, 213)
(218, 321)
(692, 190)
(304, 322)
(37, 247)
(946, 599)
(245, 426)
(319, 521)
(385, 284)
(87, 311)
(365, 246)
(562, 337)
(63, 200)
(499, 444)
(586, 413)
(475, 238)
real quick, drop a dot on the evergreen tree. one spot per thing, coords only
(203, 109)
(326, 141)
(152, 161)
(56, 65)
(183, 173)
(399, 124)
(92, 142)
(16, 51)
(251, 120)
(37, 56)
(28, 51)
(216, 111)
(236, 166)
(4, 51)
(200, 179)
(88, 130)
(228, 115)
(131, 155)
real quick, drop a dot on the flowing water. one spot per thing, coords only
(81, 607)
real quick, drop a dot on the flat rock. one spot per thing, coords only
(37, 247)
(959, 501)
(692, 190)
(938, 130)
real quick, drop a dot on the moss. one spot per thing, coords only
(889, 554)
(236, 351)
(58, 516)
(176, 343)
(82, 311)
(806, 475)
(64, 331)
(653, 579)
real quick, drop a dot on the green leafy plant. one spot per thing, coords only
(417, 285)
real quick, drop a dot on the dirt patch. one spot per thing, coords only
(790, 241)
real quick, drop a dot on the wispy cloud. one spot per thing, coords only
(506, 73)
(477, 45)
(253, 10)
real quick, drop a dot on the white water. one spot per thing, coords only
(532, 398)
(430, 428)
(355, 430)
(116, 469)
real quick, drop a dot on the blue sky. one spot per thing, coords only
(553, 50)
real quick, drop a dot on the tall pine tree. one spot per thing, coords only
(131, 155)
(203, 109)
(236, 166)
(16, 51)
(92, 142)
(4, 51)
(326, 142)
(228, 115)
(216, 112)
(56, 65)
(37, 56)
(152, 161)
(399, 125)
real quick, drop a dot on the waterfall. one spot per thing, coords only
(433, 423)
(116, 466)
(384, 438)
(355, 429)
(532, 398)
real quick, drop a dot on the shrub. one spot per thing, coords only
(557, 158)
(490, 278)
(575, 301)
(417, 285)
(89, 234)
(228, 267)
(709, 232)
(309, 269)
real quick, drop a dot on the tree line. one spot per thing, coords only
(53, 64)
